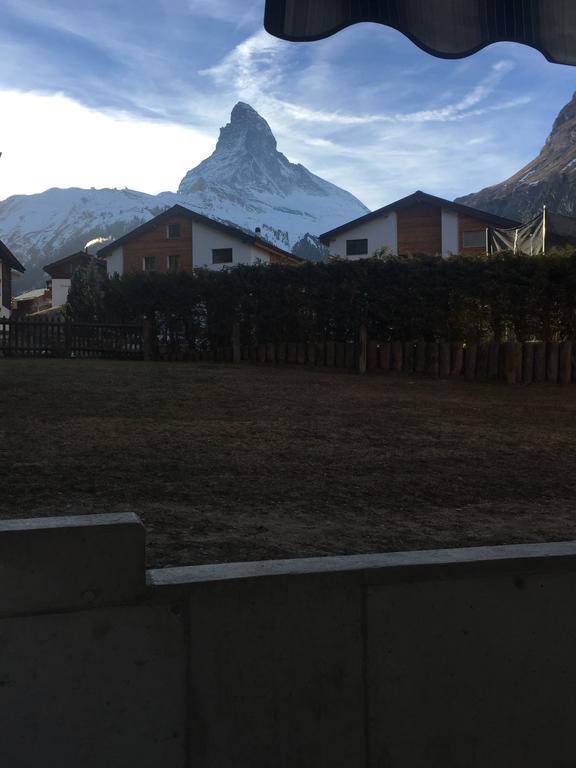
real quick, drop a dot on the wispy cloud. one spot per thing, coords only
(366, 108)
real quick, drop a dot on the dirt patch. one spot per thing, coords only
(231, 463)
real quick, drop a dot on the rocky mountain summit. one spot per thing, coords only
(246, 181)
(549, 179)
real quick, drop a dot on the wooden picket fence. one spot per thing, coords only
(48, 337)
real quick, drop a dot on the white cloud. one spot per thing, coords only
(52, 141)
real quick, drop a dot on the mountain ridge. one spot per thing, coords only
(549, 179)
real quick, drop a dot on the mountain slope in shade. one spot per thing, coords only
(549, 179)
(246, 181)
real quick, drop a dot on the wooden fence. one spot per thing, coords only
(510, 362)
(60, 338)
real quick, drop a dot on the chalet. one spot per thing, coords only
(8, 264)
(179, 240)
(61, 272)
(419, 223)
(31, 302)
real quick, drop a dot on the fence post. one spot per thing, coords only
(552, 362)
(511, 356)
(147, 338)
(362, 350)
(565, 363)
(470, 359)
(444, 361)
(236, 349)
(67, 338)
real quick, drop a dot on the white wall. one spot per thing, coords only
(115, 262)
(204, 239)
(60, 288)
(450, 243)
(382, 231)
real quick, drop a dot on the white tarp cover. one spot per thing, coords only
(545, 231)
(446, 28)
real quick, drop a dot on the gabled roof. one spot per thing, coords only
(7, 256)
(179, 210)
(36, 293)
(421, 198)
(73, 256)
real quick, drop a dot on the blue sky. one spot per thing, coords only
(102, 93)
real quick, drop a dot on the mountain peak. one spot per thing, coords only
(247, 163)
(247, 129)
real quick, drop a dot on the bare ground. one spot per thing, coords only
(228, 463)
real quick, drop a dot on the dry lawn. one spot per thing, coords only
(230, 463)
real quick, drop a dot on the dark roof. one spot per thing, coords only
(179, 210)
(7, 256)
(449, 30)
(414, 199)
(77, 255)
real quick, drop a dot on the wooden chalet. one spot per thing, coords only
(61, 272)
(417, 224)
(181, 240)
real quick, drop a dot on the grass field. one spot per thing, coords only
(243, 463)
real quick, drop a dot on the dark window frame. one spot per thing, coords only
(219, 259)
(481, 232)
(173, 231)
(357, 247)
(145, 266)
(173, 267)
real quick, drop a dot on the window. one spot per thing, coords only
(222, 256)
(474, 239)
(173, 231)
(149, 263)
(357, 247)
(173, 263)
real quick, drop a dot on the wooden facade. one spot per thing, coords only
(419, 229)
(156, 244)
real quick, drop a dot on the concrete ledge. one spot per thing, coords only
(51, 564)
(167, 577)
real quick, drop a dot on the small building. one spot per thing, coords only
(31, 302)
(61, 272)
(179, 240)
(8, 264)
(419, 223)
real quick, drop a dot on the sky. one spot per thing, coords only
(132, 94)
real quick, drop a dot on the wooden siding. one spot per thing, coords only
(6, 284)
(470, 224)
(155, 243)
(420, 229)
(65, 270)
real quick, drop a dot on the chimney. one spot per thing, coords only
(258, 231)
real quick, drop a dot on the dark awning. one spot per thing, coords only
(446, 28)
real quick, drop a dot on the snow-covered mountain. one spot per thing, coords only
(246, 181)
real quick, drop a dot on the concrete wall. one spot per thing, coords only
(445, 658)
(379, 232)
(60, 288)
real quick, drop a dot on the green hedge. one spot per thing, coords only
(402, 298)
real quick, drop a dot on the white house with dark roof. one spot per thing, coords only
(417, 224)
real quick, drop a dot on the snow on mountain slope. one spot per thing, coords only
(246, 181)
